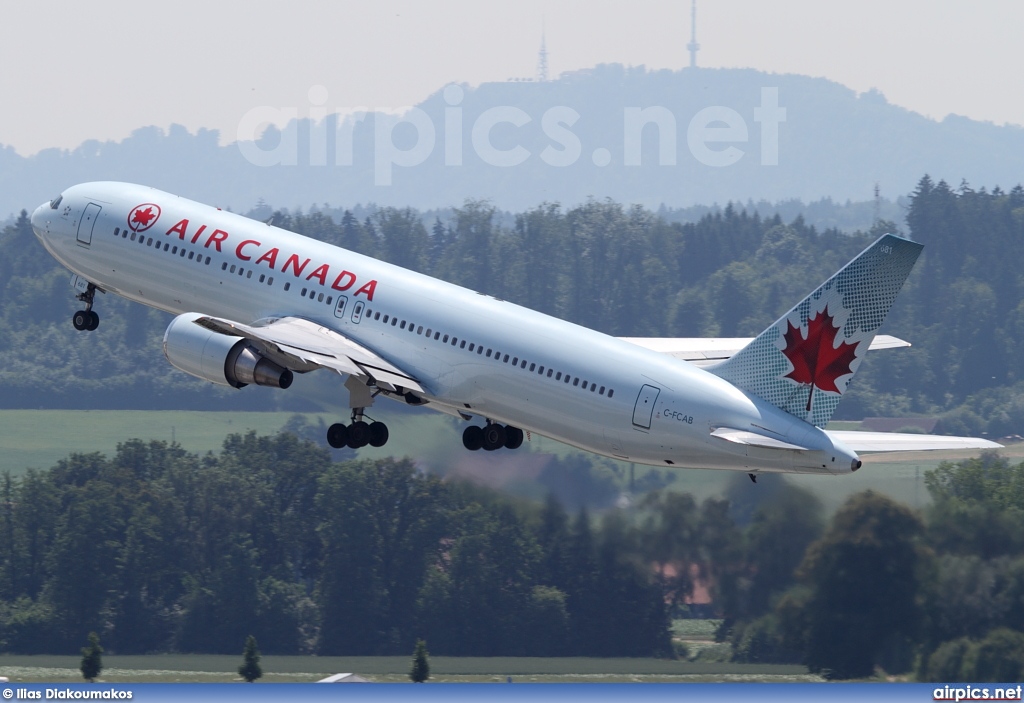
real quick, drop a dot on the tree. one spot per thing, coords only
(865, 579)
(250, 670)
(420, 670)
(92, 659)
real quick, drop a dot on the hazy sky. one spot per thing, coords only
(71, 71)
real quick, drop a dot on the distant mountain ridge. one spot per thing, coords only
(572, 137)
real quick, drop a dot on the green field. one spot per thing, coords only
(40, 438)
(223, 668)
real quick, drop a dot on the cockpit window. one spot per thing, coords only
(55, 203)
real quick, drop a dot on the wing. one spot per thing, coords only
(896, 442)
(303, 345)
(705, 351)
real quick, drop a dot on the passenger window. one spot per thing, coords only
(124, 234)
(287, 285)
(182, 253)
(610, 392)
(232, 268)
(149, 242)
(437, 336)
(166, 247)
(320, 298)
(472, 347)
(248, 274)
(263, 277)
(207, 261)
(559, 376)
(329, 299)
(479, 350)
(463, 345)
(505, 360)
(515, 361)
(303, 293)
(523, 365)
(386, 318)
(357, 311)
(533, 366)
(133, 236)
(419, 330)
(394, 321)
(601, 391)
(224, 266)
(117, 231)
(488, 353)
(191, 255)
(576, 381)
(402, 326)
(593, 387)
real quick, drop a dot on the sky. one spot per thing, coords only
(72, 71)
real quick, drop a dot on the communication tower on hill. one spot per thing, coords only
(693, 46)
(542, 59)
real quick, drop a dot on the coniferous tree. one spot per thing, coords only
(92, 658)
(250, 670)
(420, 670)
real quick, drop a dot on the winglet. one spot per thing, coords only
(804, 362)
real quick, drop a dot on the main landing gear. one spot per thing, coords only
(492, 436)
(86, 320)
(358, 434)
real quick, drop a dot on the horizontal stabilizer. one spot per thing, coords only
(752, 439)
(896, 442)
(704, 351)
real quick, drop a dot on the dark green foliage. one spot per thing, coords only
(865, 577)
(92, 658)
(250, 670)
(176, 552)
(420, 671)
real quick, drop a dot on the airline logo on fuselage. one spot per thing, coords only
(252, 251)
(142, 217)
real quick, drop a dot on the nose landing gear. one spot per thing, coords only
(86, 320)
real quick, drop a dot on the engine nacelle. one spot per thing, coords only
(219, 358)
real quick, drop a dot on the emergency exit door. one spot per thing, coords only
(86, 224)
(644, 408)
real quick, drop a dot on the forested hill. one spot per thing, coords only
(620, 270)
(562, 140)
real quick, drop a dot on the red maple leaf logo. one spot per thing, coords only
(143, 217)
(816, 360)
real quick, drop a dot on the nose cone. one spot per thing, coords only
(40, 219)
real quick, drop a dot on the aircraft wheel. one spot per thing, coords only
(513, 437)
(94, 321)
(358, 434)
(494, 437)
(378, 434)
(81, 320)
(473, 438)
(337, 435)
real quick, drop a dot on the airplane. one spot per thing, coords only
(256, 304)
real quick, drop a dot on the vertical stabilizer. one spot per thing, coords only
(804, 362)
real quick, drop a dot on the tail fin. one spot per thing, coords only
(804, 362)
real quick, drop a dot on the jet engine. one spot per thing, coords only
(219, 358)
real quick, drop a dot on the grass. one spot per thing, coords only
(223, 668)
(40, 438)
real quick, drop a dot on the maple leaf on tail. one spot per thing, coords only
(816, 360)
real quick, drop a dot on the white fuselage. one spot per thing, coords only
(595, 392)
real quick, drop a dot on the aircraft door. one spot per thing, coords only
(339, 309)
(357, 311)
(644, 408)
(86, 224)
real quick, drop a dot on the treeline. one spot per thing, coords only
(936, 595)
(622, 270)
(160, 550)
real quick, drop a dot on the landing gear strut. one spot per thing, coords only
(358, 434)
(86, 320)
(492, 436)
